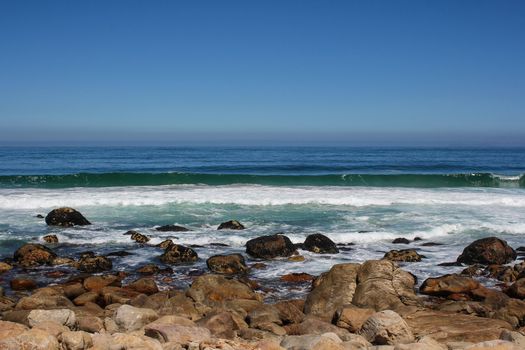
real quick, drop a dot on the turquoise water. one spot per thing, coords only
(362, 196)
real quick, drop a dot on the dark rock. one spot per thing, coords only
(520, 249)
(491, 250)
(149, 269)
(404, 255)
(32, 254)
(87, 254)
(417, 239)
(431, 244)
(176, 253)
(219, 245)
(165, 244)
(320, 244)
(196, 246)
(451, 263)
(267, 247)
(297, 277)
(22, 284)
(474, 270)
(137, 236)
(119, 253)
(227, 264)
(231, 225)
(172, 228)
(50, 239)
(401, 240)
(66, 217)
(94, 264)
(39, 216)
(517, 289)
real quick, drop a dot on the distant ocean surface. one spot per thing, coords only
(366, 196)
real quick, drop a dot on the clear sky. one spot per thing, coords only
(350, 72)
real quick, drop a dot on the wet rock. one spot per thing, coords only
(487, 251)
(267, 247)
(39, 216)
(66, 217)
(296, 258)
(404, 255)
(352, 318)
(297, 277)
(137, 236)
(78, 340)
(386, 328)
(50, 239)
(144, 285)
(22, 284)
(131, 318)
(517, 289)
(94, 264)
(119, 253)
(231, 225)
(152, 269)
(62, 261)
(382, 285)
(320, 244)
(4, 267)
(165, 244)
(175, 254)
(401, 240)
(448, 284)
(431, 244)
(172, 228)
(218, 244)
(33, 254)
(212, 289)
(227, 264)
(63, 317)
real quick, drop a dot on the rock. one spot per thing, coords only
(116, 295)
(94, 264)
(172, 228)
(231, 225)
(401, 240)
(132, 318)
(50, 239)
(314, 325)
(403, 255)
(62, 261)
(51, 327)
(326, 341)
(448, 284)
(22, 284)
(175, 254)
(297, 277)
(165, 244)
(517, 289)
(263, 317)
(267, 247)
(227, 264)
(334, 289)
(64, 317)
(137, 236)
(32, 254)
(183, 335)
(10, 329)
(382, 285)
(223, 324)
(96, 283)
(290, 311)
(133, 341)
(386, 328)
(144, 285)
(88, 297)
(66, 217)
(91, 324)
(75, 340)
(213, 289)
(494, 345)
(513, 337)
(33, 339)
(4, 267)
(320, 244)
(296, 258)
(490, 250)
(352, 318)
(44, 299)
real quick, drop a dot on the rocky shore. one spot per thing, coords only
(372, 305)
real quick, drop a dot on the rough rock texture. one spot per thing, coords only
(78, 340)
(352, 318)
(93, 264)
(382, 285)
(64, 317)
(144, 285)
(216, 288)
(177, 333)
(33, 339)
(137, 236)
(227, 264)
(403, 255)
(448, 284)
(297, 277)
(4, 267)
(320, 244)
(165, 244)
(175, 254)
(95, 283)
(32, 254)
(50, 239)
(66, 217)
(171, 228)
(231, 225)
(401, 240)
(267, 247)
(386, 327)
(326, 341)
(132, 318)
(22, 284)
(334, 289)
(314, 325)
(517, 289)
(490, 250)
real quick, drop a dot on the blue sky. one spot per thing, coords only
(347, 72)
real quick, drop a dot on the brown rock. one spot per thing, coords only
(490, 250)
(137, 236)
(4, 267)
(320, 244)
(352, 317)
(177, 333)
(94, 264)
(117, 295)
(32, 254)
(517, 289)
(386, 328)
(91, 324)
(448, 284)
(10, 329)
(227, 264)
(50, 239)
(175, 254)
(144, 285)
(165, 244)
(222, 324)
(297, 277)
(44, 299)
(296, 258)
(96, 283)
(231, 225)
(211, 289)
(171, 228)
(34, 339)
(403, 255)
(314, 325)
(22, 284)
(66, 217)
(88, 297)
(267, 247)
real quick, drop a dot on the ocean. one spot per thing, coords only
(363, 196)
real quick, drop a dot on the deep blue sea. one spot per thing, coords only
(365, 196)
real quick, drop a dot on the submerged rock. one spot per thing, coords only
(401, 240)
(403, 255)
(487, 251)
(22, 284)
(137, 236)
(231, 225)
(50, 239)
(66, 217)
(165, 244)
(4, 267)
(320, 244)
(172, 228)
(94, 264)
(33, 254)
(176, 253)
(227, 264)
(267, 247)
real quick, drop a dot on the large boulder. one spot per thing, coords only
(33, 254)
(267, 247)
(34, 339)
(94, 264)
(517, 289)
(171, 228)
(66, 217)
(487, 251)
(63, 317)
(334, 289)
(352, 317)
(212, 289)
(448, 284)
(231, 225)
(320, 244)
(386, 328)
(227, 264)
(403, 255)
(175, 254)
(131, 318)
(382, 285)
